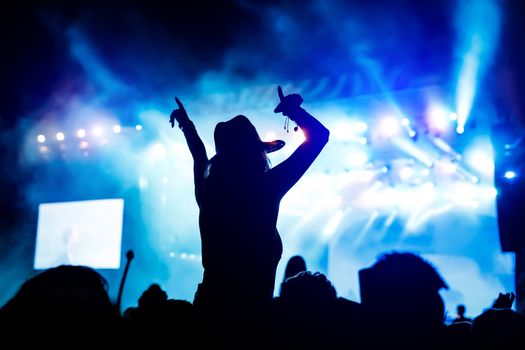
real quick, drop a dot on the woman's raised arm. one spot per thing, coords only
(195, 144)
(286, 174)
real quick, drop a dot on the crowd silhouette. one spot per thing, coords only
(238, 194)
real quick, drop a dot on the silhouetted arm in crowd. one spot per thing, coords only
(504, 301)
(286, 174)
(195, 144)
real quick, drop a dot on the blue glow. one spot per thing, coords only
(389, 126)
(477, 26)
(155, 165)
(357, 159)
(479, 156)
(437, 118)
(98, 131)
(81, 133)
(510, 174)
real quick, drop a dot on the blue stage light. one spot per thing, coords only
(357, 159)
(98, 131)
(480, 158)
(389, 126)
(41, 138)
(437, 118)
(157, 151)
(81, 133)
(405, 173)
(510, 174)
(360, 127)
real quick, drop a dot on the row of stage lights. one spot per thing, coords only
(97, 131)
(438, 119)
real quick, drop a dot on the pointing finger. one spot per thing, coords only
(179, 103)
(280, 92)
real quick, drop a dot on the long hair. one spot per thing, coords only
(243, 168)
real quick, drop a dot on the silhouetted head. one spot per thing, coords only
(307, 288)
(65, 294)
(307, 312)
(237, 141)
(295, 265)
(153, 297)
(403, 288)
(461, 310)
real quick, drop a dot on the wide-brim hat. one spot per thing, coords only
(238, 134)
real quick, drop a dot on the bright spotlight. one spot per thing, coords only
(271, 136)
(361, 127)
(480, 160)
(449, 168)
(389, 126)
(98, 131)
(437, 118)
(405, 122)
(81, 133)
(460, 129)
(41, 138)
(425, 172)
(158, 151)
(348, 130)
(406, 173)
(357, 159)
(60, 136)
(510, 174)
(138, 127)
(117, 129)
(299, 136)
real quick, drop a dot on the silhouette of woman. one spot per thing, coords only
(238, 197)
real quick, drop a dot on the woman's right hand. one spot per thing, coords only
(179, 114)
(288, 104)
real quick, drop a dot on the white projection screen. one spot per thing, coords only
(85, 233)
